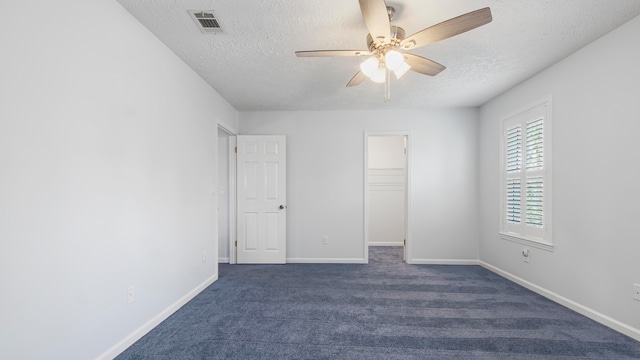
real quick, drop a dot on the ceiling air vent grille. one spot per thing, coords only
(206, 21)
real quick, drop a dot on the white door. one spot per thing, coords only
(261, 199)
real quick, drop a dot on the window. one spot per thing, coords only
(525, 215)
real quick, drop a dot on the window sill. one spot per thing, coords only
(535, 243)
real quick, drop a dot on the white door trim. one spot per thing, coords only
(408, 248)
(233, 140)
(232, 192)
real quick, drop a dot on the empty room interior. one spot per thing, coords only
(136, 136)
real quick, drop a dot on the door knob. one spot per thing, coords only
(282, 207)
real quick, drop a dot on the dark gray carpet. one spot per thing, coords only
(383, 310)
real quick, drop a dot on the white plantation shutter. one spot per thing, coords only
(526, 192)
(535, 145)
(514, 149)
(535, 202)
(513, 201)
(534, 153)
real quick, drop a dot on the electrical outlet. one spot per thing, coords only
(131, 294)
(636, 292)
(325, 240)
(204, 256)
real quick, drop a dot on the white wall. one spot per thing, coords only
(107, 163)
(596, 198)
(325, 179)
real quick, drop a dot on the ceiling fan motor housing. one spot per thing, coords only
(397, 35)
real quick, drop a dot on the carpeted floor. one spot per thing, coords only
(383, 310)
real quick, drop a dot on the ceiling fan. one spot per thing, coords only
(386, 44)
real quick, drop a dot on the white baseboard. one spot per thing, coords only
(123, 344)
(223, 260)
(388, 243)
(326, 261)
(581, 309)
(442, 262)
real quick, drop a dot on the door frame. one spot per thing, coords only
(407, 203)
(233, 141)
(231, 191)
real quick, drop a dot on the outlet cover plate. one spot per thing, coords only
(636, 292)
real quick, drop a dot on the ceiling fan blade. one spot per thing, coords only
(328, 53)
(357, 79)
(376, 19)
(423, 65)
(447, 29)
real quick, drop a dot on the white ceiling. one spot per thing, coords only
(253, 66)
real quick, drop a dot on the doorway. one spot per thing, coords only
(226, 196)
(387, 191)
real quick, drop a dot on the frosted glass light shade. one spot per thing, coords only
(393, 60)
(369, 66)
(379, 75)
(401, 70)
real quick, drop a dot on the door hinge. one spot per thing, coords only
(236, 149)
(236, 243)
(405, 151)
(405, 242)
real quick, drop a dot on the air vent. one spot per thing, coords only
(206, 21)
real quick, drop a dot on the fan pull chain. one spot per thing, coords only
(387, 87)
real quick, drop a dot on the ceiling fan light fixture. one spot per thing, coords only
(401, 70)
(369, 66)
(379, 75)
(393, 60)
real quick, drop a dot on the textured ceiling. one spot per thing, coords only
(253, 66)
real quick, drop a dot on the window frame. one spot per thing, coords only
(520, 232)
